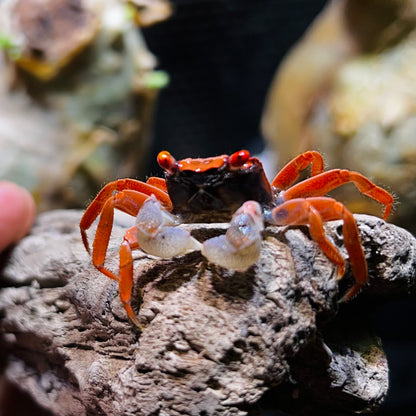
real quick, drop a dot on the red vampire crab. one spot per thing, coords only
(219, 189)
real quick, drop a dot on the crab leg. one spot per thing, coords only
(324, 182)
(127, 201)
(240, 247)
(126, 272)
(291, 171)
(315, 211)
(96, 206)
(158, 183)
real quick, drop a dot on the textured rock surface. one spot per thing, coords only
(215, 342)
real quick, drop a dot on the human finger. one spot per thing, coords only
(17, 213)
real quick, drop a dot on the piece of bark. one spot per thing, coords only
(215, 342)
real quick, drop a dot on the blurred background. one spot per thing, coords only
(92, 90)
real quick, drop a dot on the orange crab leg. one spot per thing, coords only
(96, 206)
(126, 271)
(315, 211)
(324, 182)
(127, 201)
(158, 183)
(291, 171)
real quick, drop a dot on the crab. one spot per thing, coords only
(226, 188)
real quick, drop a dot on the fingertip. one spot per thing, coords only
(17, 213)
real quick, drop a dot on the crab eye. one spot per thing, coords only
(166, 161)
(238, 159)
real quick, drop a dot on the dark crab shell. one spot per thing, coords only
(214, 194)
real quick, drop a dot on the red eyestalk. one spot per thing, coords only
(167, 162)
(238, 159)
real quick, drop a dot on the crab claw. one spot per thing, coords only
(158, 232)
(240, 247)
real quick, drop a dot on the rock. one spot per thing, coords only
(215, 342)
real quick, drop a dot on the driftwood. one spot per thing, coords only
(215, 342)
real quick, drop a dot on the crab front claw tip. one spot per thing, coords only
(240, 247)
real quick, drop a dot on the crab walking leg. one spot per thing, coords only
(97, 205)
(323, 183)
(128, 201)
(240, 247)
(315, 211)
(158, 183)
(290, 172)
(126, 272)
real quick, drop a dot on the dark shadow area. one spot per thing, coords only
(394, 322)
(221, 56)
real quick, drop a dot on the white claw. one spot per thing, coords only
(240, 247)
(158, 232)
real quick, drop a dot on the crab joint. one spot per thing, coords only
(240, 247)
